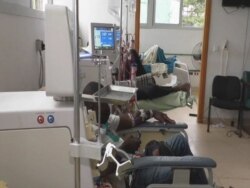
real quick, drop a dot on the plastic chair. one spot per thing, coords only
(226, 94)
(181, 167)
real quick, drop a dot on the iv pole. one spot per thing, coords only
(120, 65)
(76, 93)
(77, 96)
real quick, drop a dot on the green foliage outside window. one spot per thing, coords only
(193, 13)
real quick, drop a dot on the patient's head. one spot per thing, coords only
(152, 148)
(156, 148)
(90, 89)
(134, 55)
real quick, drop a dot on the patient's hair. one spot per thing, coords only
(90, 89)
(140, 69)
(164, 149)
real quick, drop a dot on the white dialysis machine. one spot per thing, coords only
(36, 130)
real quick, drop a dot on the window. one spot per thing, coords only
(178, 13)
(193, 13)
(144, 11)
(167, 11)
(39, 4)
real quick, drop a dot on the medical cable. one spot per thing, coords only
(41, 71)
(99, 100)
(224, 53)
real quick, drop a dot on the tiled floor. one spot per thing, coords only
(232, 154)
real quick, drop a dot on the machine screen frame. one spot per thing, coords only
(106, 33)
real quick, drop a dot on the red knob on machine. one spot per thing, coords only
(40, 119)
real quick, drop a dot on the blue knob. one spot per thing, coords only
(50, 119)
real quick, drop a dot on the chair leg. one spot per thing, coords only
(239, 126)
(208, 118)
(240, 122)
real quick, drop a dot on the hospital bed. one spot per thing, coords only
(158, 74)
(159, 71)
(154, 60)
(179, 76)
(180, 165)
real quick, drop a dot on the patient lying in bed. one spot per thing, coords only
(147, 88)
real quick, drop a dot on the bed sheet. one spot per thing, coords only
(168, 102)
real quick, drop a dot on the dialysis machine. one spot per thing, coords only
(34, 141)
(36, 131)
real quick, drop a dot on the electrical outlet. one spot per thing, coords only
(39, 45)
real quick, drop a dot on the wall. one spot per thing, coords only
(19, 61)
(21, 26)
(233, 27)
(171, 40)
(89, 12)
(67, 3)
(93, 12)
(25, 3)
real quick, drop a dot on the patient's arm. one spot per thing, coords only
(162, 117)
(128, 120)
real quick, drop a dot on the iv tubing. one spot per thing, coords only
(224, 62)
(99, 100)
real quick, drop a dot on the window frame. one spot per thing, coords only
(151, 17)
(34, 4)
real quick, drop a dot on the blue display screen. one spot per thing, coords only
(104, 38)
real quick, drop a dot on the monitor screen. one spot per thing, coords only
(103, 36)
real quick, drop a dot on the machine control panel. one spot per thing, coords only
(33, 109)
(45, 119)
